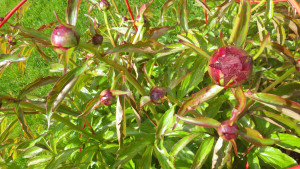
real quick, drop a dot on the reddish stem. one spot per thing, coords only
(91, 128)
(256, 2)
(131, 15)
(12, 12)
(83, 126)
(205, 13)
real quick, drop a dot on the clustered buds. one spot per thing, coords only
(63, 38)
(157, 95)
(97, 39)
(106, 97)
(230, 66)
(227, 130)
(104, 5)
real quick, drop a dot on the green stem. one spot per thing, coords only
(269, 88)
(115, 5)
(136, 38)
(114, 19)
(108, 29)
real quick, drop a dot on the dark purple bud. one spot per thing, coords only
(63, 38)
(124, 18)
(106, 97)
(104, 5)
(230, 66)
(157, 95)
(1, 19)
(97, 39)
(227, 130)
(123, 43)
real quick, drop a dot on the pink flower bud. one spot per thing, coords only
(228, 131)
(104, 5)
(157, 95)
(63, 38)
(106, 97)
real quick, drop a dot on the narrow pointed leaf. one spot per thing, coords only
(23, 122)
(287, 141)
(283, 51)
(4, 135)
(61, 88)
(180, 145)
(72, 11)
(204, 5)
(241, 24)
(164, 9)
(203, 152)
(42, 53)
(292, 23)
(28, 144)
(200, 121)
(146, 158)
(120, 92)
(182, 18)
(262, 46)
(164, 123)
(39, 160)
(287, 107)
(198, 98)
(121, 120)
(253, 160)
(59, 158)
(128, 152)
(34, 33)
(221, 154)
(163, 157)
(254, 137)
(31, 152)
(156, 33)
(144, 7)
(148, 46)
(279, 120)
(276, 158)
(37, 83)
(144, 100)
(93, 104)
(11, 58)
(196, 49)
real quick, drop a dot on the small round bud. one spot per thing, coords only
(1, 19)
(63, 38)
(123, 43)
(104, 5)
(157, 95)
(106, 97)
(124, 18)
(97, 39)
(230, 66)
(228, 131)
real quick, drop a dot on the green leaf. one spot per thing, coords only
(35, 34)
(287, 107)
(4, 135)
(196, 49)
(287, 141)
(180, 145)
(148, 46)
(87, 154)
(164, 9)
(262, 46)
(163, 157)
(9, 58)
(92, 104)
(60, 158)
(254, 137)
(26, 130)
(292, 23)
(283, 51)
(200, 121)
(182, 18)
(203, 152)
(164, 123)
(29, 144)
(37, 83)
(280, 31)
(221, 154)
(204, 5)
(241, 24)
(39, 160)
(128, 152)
(144, 100)
(121, 120)
(72, 11)
(276, 158)
(146, 158)
(198, 98)
(156, 33)
(220, 12)
(269, 9)
(253, 160)
(61, 88)
(279, 120)
(33, 151)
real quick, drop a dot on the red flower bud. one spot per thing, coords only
(104, 5)
(106, 97)
(228, 131)
(97, 39)
(157, 95)
(230, 66)
(63, 38)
